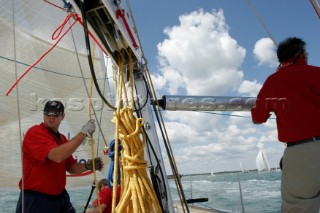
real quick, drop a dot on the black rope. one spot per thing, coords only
(88, 201)
(146, 101)
(175, 172)
(85, 28)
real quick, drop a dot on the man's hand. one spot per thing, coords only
(89, 128)
(98, 164)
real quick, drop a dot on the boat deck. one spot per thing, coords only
(196, 209)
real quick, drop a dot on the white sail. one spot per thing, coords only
(58, 75)
(262, 162)
(242, 166)
(26, 29)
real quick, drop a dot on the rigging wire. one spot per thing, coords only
(241, 197)
(92, 142)
(90, 60)
(171, 160)
(18, 100)
(104, 89)
(261, 22)
(90, 107)
(167, 149)
(86, 87)
(49, 71)
(230, 115)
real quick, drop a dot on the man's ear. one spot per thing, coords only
(62, 116)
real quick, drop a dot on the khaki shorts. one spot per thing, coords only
(300, 181)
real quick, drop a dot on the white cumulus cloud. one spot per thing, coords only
(199, 56)
(250, 88)
(264, 51)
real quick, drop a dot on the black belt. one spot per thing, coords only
(43, 194)
(293, 143)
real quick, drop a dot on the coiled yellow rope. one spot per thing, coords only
(154, 96)
(137, 193)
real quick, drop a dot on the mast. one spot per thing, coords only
(109, 22)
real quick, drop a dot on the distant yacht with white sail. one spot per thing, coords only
(212, 173)
(262, 162)
(243, 169)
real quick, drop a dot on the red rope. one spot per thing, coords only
(59, 31)
(82, 174)
(93, 37)
(53, 46)
(120, 13)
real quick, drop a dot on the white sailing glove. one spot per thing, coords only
(89, 128)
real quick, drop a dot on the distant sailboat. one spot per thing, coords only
(212, 173)
(262, 162)
(242, 167)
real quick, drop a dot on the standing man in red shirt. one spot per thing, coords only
(47, 155)
(293, 94)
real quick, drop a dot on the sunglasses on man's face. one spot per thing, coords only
(55, 114)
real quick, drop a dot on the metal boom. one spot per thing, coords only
(206, 103)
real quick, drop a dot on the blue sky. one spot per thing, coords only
(219, 48)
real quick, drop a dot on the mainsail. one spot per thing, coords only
(44, 56)
(62, 74)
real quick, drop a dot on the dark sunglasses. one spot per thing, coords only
(55, 114)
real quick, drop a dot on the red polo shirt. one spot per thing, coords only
(105, 196)
(293, 94)
(40, 173)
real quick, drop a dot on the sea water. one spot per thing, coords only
(260, 192)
